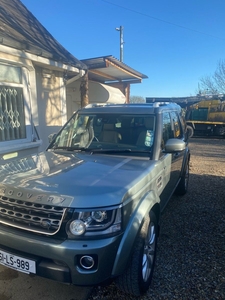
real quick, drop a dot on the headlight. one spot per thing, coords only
(77, 227)
(95, 222)
(99, 215)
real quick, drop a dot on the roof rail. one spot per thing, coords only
(159, 103)
(90, 105)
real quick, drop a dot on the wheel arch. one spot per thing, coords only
(149, 203)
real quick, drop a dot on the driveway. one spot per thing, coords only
(19, 286)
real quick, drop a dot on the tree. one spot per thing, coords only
(84, 90)
(214, 84)
(137, 99)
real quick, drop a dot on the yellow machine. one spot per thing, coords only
(206, 117)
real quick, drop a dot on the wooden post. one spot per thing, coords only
(84, 90)
(127, 93)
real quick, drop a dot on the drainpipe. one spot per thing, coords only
(79, 75)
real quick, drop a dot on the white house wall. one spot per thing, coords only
(51, 103)
(44, 93)
(73, 97)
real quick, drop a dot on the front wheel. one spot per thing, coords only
(138, 275)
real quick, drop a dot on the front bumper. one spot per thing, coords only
(60, 260)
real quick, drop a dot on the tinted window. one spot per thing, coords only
(108, 131)
(176, 126)
(167, 128)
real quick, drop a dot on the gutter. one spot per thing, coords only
(54, 65)
(78, 76)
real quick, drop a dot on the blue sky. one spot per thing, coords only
(173, 42)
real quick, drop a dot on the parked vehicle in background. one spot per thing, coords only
(87, 210)
(206, 117)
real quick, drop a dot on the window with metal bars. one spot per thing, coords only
(12, 115)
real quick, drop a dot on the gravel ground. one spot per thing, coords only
(190, 260)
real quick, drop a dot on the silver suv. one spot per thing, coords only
(88, 209)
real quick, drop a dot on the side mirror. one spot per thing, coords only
(174, 145)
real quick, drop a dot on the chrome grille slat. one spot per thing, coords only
(29, 216)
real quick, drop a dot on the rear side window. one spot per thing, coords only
(167, 129)
(176, 125)
(172, 127)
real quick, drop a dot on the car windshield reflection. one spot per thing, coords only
(107, 133)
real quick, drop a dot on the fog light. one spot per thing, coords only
(77, 227)
(87, 262)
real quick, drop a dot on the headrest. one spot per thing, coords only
(126, 122)
(109, 127)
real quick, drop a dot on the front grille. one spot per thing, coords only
(39, 218)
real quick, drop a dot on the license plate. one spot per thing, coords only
(17, 263)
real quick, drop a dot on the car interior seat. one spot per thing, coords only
(109, 134)
(146, 136)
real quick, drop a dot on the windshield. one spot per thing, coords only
(107, 132)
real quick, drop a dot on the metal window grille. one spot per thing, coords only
(12, 116)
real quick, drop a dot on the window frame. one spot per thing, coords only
(24, 85)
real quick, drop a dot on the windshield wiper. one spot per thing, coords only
(100, 150)
(70, 148)
(118, 151)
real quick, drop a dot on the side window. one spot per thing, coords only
(167, 129)
(176, 126)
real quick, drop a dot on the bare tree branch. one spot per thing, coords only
(214, 84)
(137, 99)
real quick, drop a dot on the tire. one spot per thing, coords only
(190, 131)
(138, 275)
(183, 184)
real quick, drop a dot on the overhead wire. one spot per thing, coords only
(161, 20)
